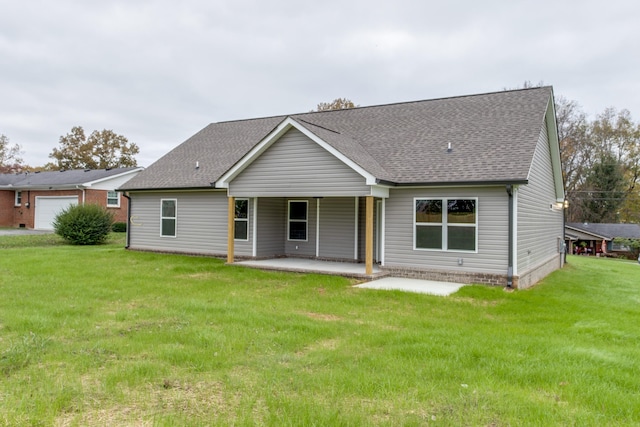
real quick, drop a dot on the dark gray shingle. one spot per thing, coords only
(59, 178)
(609, 230)
(493, 138)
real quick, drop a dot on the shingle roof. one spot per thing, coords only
(59, 178)
(493, 138)
(610, 231)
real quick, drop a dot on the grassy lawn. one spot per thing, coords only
(103, 336)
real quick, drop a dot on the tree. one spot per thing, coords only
(590, 152)
(603, 190)
(102, 150)
(10, 160)
(336, 104)
(576, 152)
(614, 133)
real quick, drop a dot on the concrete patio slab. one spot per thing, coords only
(312, 266)
(413, 285)
(349, 269)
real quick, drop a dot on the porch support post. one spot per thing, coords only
(369, 236)
(231, 228)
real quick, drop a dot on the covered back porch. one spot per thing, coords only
(345, 232)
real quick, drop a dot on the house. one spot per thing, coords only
(596, 239)
(33, 199)
(464, 189)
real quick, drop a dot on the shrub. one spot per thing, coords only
(83, 224)
(119, 227)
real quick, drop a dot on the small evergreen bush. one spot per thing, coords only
(119, 227)
(83, 224)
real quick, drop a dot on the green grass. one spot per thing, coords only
(103, 336)
(45, 240)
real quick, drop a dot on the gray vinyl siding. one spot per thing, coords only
(539, 227)
(297, 247)
(295, 166)
(337, 227)
(271, 226)
(492, 222)
(201, 225)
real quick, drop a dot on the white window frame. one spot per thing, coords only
(289, 221)
(175, 218)
(444, 224)
(18, 198)
(117, 204)
(235, 220)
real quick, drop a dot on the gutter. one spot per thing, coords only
(128, 241)
(378, 182)
(453, 183)
(168, 189)
(509, 189)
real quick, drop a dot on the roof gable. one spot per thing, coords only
(554, 148)
(284, 127)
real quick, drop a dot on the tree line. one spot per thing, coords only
(600, 164)
(103, 149)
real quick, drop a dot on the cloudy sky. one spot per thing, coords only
(159, 71)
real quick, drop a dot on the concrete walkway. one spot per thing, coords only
(357, 270)
(22, 231)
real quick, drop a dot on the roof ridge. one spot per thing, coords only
(391, 104)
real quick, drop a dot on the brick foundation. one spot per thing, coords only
(534, 275)
(451, 276)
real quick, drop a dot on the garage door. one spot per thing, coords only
(48, 207)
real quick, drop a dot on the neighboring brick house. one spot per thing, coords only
(597, 239)
(33, 199)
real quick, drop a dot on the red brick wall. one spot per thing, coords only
(13, 216)
(7, 199)
(100, 197)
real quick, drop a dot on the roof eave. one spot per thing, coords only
(49, 187)
(158, 189)
(482, 183)
(597, 235)
(114, 176)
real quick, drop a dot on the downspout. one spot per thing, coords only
(565, 247)
(79, 187)
(510, 263)
(128, 220)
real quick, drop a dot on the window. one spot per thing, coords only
(616, 246)
(241, 221)
(168, 217)
(113, 199)
(446, 224)
(18, 201)
(297, 220)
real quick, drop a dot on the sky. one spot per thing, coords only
(159, 71)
